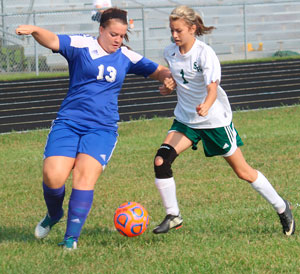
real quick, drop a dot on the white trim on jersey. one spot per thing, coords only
(90, 42)
(96, 51)
(134, 57)
(81, 41)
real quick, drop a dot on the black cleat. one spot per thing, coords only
(168, 223)
(287, 220)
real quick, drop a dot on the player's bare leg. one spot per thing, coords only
(261, 184)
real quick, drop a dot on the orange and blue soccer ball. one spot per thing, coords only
(131, 219)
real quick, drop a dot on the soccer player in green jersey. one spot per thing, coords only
(202, 113)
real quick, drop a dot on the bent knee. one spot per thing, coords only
(158, 161)
(55, 176)
(164, 158)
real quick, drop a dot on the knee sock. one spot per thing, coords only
(167, 190)
(54, 198)
(79, 207)
(263, 186)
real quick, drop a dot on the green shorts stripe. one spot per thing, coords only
(221, 141)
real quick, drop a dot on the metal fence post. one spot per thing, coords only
(3, 23)
(144, 33)
(4, 42)
(36, 55)
(245, 32)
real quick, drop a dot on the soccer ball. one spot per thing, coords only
(131, 219)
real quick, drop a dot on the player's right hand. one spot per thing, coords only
(24, 30)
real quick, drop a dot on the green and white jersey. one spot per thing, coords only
(192, 72)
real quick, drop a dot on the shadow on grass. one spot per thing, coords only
(16, 234)
(105, 236)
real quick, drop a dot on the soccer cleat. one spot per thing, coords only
(287, 220)
(170, 221)
(69, 244)
(44, 226)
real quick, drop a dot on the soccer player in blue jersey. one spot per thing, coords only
(84, 134)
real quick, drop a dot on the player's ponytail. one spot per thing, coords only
(201, 28)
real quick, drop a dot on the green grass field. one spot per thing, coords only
(228, 227)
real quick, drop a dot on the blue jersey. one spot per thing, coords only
(96, 79)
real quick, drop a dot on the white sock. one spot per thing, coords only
(263, 186)
(167, 190)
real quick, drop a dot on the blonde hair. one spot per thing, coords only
(191, 18)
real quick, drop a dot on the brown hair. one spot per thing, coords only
(191, 18)
(114, 13)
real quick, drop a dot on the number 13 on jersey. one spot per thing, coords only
(109, 78)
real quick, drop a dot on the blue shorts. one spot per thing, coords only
(68, 139)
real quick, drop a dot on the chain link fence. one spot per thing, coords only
(243, 31)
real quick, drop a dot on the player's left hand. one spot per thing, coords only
(202, 109)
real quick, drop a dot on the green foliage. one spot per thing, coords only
(261, 60)
(228, 227)
(12, 59)
(42, 63)
(284, 53)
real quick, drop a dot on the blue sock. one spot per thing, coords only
(54, 198)
(79, 208)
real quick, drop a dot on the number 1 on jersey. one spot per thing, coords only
(101, 72)
(182, 76)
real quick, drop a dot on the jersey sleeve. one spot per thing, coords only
(143, 67)
(138, 64)
(210, 65)
(65, 48)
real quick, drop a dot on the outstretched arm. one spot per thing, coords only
(164, 75)
(44, 37)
